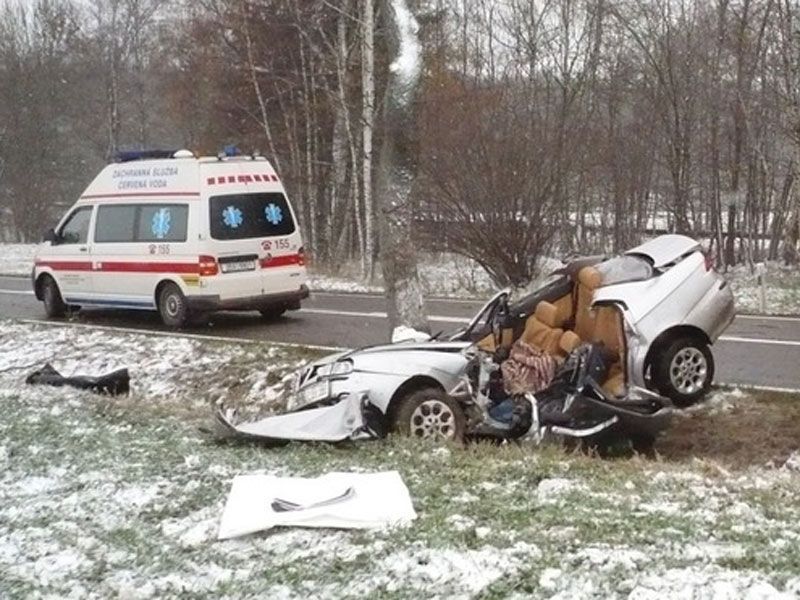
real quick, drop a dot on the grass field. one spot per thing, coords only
(105, 498)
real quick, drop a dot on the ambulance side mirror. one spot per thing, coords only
(51, 236)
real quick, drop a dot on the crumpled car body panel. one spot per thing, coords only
(346, 419)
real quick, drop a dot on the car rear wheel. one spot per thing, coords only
(430, 413)
(172, 306)
(684, 370)
(54, 305)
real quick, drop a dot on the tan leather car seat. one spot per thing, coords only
(542, 329)
(589, 279)
(601, 324)
(608, 329)
(568, 342)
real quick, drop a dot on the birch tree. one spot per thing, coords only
(397, 171)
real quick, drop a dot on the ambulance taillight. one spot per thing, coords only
(208, 266)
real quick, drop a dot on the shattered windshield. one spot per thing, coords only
(624, 269)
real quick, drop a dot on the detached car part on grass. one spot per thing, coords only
(116, 383)
(640, 325)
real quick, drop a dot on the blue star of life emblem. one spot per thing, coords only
(232, 217)
(162, 220)
(273, 213)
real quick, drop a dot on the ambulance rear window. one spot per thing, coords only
(243, 216)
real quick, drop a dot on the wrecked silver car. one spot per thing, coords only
(606, 347)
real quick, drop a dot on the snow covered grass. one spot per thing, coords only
(782, 289)
(16, 259)
(444, 274)
(103, 497)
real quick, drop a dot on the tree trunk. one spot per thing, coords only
(368, 124)
(397, 170)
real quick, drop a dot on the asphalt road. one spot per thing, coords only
(758, 351)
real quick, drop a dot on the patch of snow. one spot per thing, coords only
(460, 522)
(791, 464)
(551, 489)
(403, 333)
(454, 572)
(407, 64)
(195, 529)
(707, 582)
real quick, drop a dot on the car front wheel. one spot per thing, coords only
(430, 413)
(684, 370)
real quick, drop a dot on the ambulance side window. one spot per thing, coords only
(76, 229)
(115, 224)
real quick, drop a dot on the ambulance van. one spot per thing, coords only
(181, 235)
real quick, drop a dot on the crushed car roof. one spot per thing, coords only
(665, 249)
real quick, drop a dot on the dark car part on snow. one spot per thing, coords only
(114, 384)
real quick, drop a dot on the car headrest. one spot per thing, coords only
(590, 277)
(547, 313)
(569, 341)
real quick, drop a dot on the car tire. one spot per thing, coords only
(271, 314)
(54, 305)
(684, 370)
(430, 413)
(172, 306)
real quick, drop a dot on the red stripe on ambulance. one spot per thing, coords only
(65, 265)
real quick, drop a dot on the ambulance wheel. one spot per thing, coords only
(54, 306)
(172, 306)
(270, 314)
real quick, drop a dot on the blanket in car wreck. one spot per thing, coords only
(527, 369)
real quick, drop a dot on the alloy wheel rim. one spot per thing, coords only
(688, 370)
(433, 418)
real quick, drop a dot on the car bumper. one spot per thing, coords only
(208, 303)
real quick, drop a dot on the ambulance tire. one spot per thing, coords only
(273, 313)
(172, 306)
(54, 305)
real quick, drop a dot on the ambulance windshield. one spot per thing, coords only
(243, 216)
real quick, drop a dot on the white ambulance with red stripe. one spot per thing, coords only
(182, 235)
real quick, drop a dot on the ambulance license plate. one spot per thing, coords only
(239, 266)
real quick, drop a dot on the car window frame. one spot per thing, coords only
(138, 206)
(61, 241)
(211, 214)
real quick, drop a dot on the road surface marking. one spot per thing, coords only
(760, 388)
(18, 292)
(767, 318)
(744, 340)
